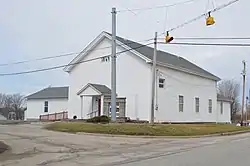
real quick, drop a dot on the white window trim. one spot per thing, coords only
(181, 103)
(46, 107)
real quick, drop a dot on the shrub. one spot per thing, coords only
(99, 119)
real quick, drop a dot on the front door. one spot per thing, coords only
(99, 107)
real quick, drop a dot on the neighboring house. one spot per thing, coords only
(223, 109)
(9, 114)
(184, 91)
(46, 101)
(2, 117)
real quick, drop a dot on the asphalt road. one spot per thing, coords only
(227, 153)
(31, 145)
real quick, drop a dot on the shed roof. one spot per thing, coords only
(223, 98)
(102, 89)
(50, 93)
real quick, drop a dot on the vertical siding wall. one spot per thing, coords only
(223, 116)
(35, 108)
(190, 86)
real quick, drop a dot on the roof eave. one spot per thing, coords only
(215, 78)
(84, 52)
(41, 98)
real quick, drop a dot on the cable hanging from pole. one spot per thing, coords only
(203, 15)
(65, 55)
(62, 66)
(211, 44)
(156, 7)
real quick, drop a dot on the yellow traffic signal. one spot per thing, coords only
(210, 20)
(168, 38)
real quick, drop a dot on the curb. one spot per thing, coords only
(173, 137)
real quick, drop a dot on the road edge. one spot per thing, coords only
(140, 136)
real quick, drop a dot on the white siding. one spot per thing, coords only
(225, 116)
(189, 86)
(35, 107)
(133, 78)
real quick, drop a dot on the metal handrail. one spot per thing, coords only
(91, 113)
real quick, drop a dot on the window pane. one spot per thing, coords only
(197, 104)
(181, 103)
(46, 103)
(210, 105)
(46, 109)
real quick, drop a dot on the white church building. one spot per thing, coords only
(184, 91)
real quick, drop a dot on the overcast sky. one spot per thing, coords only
(34, 29)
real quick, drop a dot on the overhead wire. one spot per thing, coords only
(212, 38)
(64, 55)
(201, 16)
(156, 7)
(62, 66)
(210, 44)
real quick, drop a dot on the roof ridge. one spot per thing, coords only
(166, 57)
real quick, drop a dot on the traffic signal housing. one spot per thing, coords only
(168, 38)
(210, 20)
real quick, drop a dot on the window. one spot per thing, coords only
(197, 104)
(210, 105)
(181, 103)
(221, 107)
(46, 106)
(161, 82)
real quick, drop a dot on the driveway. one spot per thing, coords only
(31, 145)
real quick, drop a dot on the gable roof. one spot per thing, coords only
(102, 89)
(163, 58)
(50, 93)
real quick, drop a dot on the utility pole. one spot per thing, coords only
(152, 115)
(243, 93)
(113, 67)
(246, 107)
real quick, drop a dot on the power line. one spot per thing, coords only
(38, 59)
(201, 16)
(61, 66)
(63, 55)
(212, 38)
(211, 44)
(156, 7)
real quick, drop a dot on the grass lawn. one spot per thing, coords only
(145, 129)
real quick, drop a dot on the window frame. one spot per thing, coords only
(181, 103)
(46, 107)
(210, 106)
(197, 105)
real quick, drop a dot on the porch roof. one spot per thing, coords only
(94, 89)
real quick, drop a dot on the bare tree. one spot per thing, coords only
(2, 100)
(14, 105)
(17, 101)
(231, 90)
